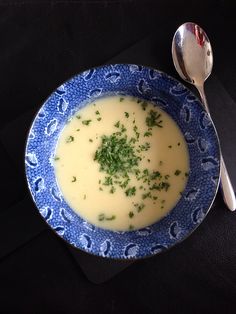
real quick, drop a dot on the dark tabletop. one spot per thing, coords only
(42, 44)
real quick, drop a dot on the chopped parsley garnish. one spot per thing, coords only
(108, 181)
(124, 184)
(73, 179)
(147, 134)
(155, 175)
(126, 114)
(177, 172)
(139, 100)
(131, 227)
(121, 99)
(139, 207)
(153, 119)
(102, 217)
(70, 139)
(78, 130)
(161, 186)
(186, 174)
(97, 112)
(117, 124)
(86, 122)
(111, 218)
(131, 214)
(144, 105)
(130, 191)
(99, 119)
(178, 144)
(85, 196)
(78, 117)
(170, 146)
(56, 158)
(145, 146)
(146, 195)
(116, 155)
(135, 128)
(112, 190)
(90, 140)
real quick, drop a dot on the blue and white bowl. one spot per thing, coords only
(178, 102)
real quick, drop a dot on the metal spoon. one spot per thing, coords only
(193, 60)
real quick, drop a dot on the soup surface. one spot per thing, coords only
(121, 163)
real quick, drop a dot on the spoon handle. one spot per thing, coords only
(226, 185)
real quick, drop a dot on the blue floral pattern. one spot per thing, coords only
(177, 101)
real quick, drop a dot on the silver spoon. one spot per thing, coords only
(193, 60)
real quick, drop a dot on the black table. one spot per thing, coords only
(43, 44)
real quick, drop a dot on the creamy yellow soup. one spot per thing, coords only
(121, 163)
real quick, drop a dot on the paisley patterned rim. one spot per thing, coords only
(177, 101)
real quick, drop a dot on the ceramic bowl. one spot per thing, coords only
(172, 97)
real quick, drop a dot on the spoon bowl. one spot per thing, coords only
(192, 53)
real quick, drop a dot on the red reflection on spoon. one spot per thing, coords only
(199, 35)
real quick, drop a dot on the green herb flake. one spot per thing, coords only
(112, 190)
(144, 105)
(131, 214)
(108, 181)
(111, 218)
(147, 134)
(186, 174)
(85, 196)
(131, 227)
(177, 172)
(123, 129)
(77, 130)
(90, 140)
(153, 119)
(121, 99)
(130, 191)
(70, 139)
(86, 122)
(56, 158)
(101, 217)
(161, 186)
(145, 146)
(97, 112)
(124, 184)
(155, 175)
(101, 189)
(178, 144)
(78, 117)
(127, 115)
(73, 179)
(117, 124)
(170, 146)
(139, 207)
(139, 101)
(146, 195)
(99, 119)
